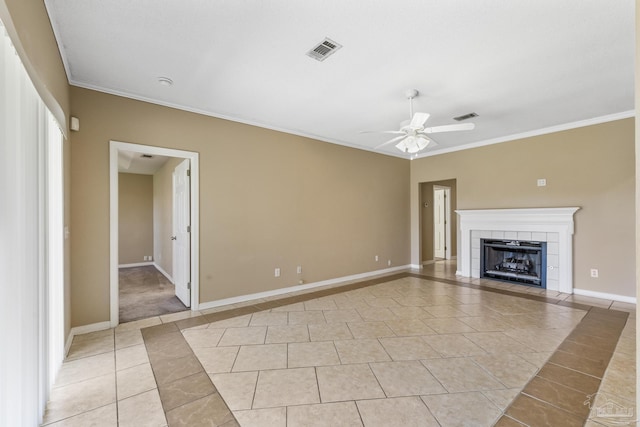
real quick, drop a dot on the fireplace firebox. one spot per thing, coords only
(515, 261)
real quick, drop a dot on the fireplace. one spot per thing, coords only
(551, 225)
(515, 261)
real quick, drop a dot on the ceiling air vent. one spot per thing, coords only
(466, 117)
(147, 156)
(324, 49)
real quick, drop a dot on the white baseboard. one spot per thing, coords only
(136, 264)
(415, 266)
(307, 286)
(79, 330)
(164, 273)
(604, 295)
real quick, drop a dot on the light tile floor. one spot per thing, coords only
(352, 354)
(406, 352)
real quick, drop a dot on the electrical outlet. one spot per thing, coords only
(150, 257)
(389, 262)
(542, 182)
(376, 258)
(277, 272)
(144, 258)
(594, 273)
(299, 269)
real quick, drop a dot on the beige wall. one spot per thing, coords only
(267, 200)
(590, 167)
(28, 21)
(135, 217)
(426, 218)
(163, 215)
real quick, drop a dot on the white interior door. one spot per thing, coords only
(182, 233)
(439, 223)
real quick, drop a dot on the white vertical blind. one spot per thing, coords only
(30, 225)
(55, 249)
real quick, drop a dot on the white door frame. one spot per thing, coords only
(447, 216)
(114, 147)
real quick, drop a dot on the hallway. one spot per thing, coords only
(145, 292)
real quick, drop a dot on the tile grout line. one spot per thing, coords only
(115, 380)
(255, 387)
(580, 327)
(590, 310)
(147, 335)
(196, 321)
(292, 299)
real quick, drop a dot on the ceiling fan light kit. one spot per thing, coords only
(413, 134)
(413, 144)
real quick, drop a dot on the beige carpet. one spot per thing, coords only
(145, 292)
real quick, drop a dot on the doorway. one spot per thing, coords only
(438, 221)
(186, 164)
(441, 222)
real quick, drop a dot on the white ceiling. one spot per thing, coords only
(140, 163)
(523, 65)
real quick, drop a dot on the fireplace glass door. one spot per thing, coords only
(515, 261)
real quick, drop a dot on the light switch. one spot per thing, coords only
(542, 182)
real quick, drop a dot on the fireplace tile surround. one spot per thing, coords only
(552, 225)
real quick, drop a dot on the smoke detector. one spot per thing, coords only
(165, 81)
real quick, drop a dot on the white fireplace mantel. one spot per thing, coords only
(552, 225)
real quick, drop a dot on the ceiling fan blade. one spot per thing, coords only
(391, 141)
(396, 132)
(450, 128)
(418, 120)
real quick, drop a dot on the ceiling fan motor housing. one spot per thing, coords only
(413, 134)
(411, 93)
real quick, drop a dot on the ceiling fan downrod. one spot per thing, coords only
(410, 94)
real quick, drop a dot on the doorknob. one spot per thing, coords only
(173, 237)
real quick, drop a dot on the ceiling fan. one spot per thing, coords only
(413, 135)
